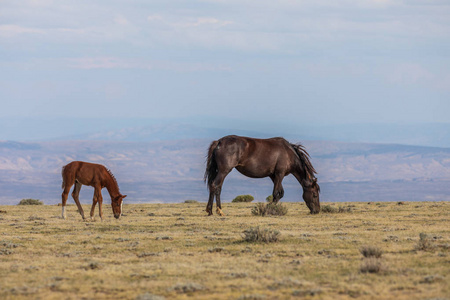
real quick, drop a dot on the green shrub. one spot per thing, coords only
(243, 198)
(269, 198)
(30, 202)
(269, 209)
(265, 235)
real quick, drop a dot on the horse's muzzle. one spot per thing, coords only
(117, 216)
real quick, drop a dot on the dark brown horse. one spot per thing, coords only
(258, 158)
(79, 173)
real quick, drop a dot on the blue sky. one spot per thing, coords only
(318, 62)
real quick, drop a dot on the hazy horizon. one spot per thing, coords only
(45, 129)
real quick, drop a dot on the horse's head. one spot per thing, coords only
(311, 190)
(116, 204)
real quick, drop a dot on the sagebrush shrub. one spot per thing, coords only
(272, 209)
(190, 201)
(344, 209)
(257, 234)
(259, 209)
(371, 251)
(371, 265)
(30, 202)
(189, 287)
(425, 243)
(276, 209)
(328, 209)
(331, 209)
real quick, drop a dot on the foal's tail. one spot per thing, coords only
(211, 164)
(62, 174)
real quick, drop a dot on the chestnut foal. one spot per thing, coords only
(95, 175)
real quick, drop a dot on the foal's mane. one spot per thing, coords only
(305, 162)
(113, 178)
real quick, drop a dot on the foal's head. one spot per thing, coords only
(311, 192)
(116, 204)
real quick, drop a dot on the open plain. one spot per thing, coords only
(174, 251)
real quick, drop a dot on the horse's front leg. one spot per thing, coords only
(278, 191)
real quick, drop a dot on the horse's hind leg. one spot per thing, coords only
(218, 204)
(75, 196)
(210, 202)
(217, 188)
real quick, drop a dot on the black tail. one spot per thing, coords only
(211, 165)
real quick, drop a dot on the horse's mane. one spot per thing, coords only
(113, 178)
(305, 162)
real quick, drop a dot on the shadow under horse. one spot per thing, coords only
(259, 158)
(95, 175)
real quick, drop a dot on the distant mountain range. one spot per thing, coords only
(166, 164)
(146, 130)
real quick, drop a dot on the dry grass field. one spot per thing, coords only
(174, 251)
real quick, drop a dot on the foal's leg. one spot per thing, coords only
(94, 202)
(100, 201)
(75, 196)
(64, 196)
